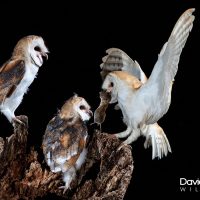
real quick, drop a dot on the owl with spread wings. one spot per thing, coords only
(143, 102)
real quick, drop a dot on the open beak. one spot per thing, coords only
(44, 55)
(90, 113)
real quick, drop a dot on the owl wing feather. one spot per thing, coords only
(11, 73)
(118, 60)
(160, 82)
(63, 143)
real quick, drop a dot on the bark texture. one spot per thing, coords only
(105, 175)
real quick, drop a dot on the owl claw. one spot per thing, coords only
(19, 121)
(16, 122)
(65, 188)
(122, 145)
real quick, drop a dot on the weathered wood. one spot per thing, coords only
(105, 175)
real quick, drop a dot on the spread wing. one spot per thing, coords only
(118, 60)
(160, 82)
(63, 143)
(11, 73)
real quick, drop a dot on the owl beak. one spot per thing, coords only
(90, 113)
(44, 55)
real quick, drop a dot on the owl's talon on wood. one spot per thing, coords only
(18, 73)
(122, 145)
(64, 188)
(20, 121)
(16, 122)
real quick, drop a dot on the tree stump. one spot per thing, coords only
(105, 175)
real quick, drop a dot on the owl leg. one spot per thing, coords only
(19, 121)
(133, 136)
(68, 176)
(11, 117)
(124, 133)
(9, 114)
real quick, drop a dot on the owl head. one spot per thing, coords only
(117, 81)
(76, 107)
(33, 48)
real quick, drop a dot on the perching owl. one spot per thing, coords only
(64, 141)
(118, 60)
(18, 73)
(144, 104)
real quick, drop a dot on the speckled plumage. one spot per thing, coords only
(64, 141)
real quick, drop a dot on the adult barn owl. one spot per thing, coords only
(18, 73)
(145, 104)
(154, 134)
(64, 141)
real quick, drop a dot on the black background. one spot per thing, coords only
(77, 35)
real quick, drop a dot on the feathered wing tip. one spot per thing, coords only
(157, 138)
(181, 30)
(184, 22)
(171, 51)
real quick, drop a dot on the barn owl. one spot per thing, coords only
(18, 73)
(154, 134)
(143, 105)
(64, 141)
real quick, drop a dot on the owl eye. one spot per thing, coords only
(111, 84)
(37, 48)
(82, 107)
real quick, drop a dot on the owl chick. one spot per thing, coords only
(18, 73)
(100, 112)
(64, 141)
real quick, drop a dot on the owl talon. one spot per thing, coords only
(122, 145)
(124, 134)
(20, 121)
(16, 122)
(65, 188)
(18, 73)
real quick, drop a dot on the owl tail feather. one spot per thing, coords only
(156, 137)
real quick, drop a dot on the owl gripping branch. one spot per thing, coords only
(64, 142)
(22, 176)
(18, 73)
(143, 102)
